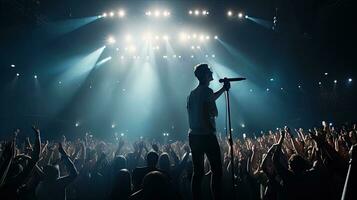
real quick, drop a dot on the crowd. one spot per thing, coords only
(282, 164)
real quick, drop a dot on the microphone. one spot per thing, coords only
(222, 80)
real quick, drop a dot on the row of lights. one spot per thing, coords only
(158, 13)
(120, 13)
(132, 48)
(240, 15)
(198, 12)
(165, 13)
(156, 37)
(135, 57)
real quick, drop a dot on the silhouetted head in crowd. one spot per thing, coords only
(156, 186)
(151, 159)
(297, 164)
(122, 185)
(51, 172)
(119, 163)
(203, 73)
(164, 162)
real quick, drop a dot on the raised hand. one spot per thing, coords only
(61, 150)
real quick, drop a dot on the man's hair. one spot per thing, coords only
(200, 70)
(152, 158)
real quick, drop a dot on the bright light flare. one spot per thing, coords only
(128, 38)
(240, 15)
(104, 14)
(350, 80)
(197, 12)
(111, 14)
(229, 13)
(121, 13)
(111, 40)
(190, 12)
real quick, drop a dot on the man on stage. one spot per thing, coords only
(202, 111)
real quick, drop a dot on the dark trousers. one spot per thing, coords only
(201, 145)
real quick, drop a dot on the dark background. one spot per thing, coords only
(312, 37)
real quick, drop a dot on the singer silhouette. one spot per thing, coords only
(202, 111)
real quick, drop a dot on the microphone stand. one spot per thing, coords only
(230, 139)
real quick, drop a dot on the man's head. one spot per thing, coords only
(297, 163)
(152, 158)
(203, 73)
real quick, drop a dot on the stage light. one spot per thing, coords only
(76, 124)
(183, 37)
(206, 56)
(122, 57)
(213, 56)
(104, 14)
(117, 49)
(251, 90)
(113, 125)
(240, 15)
(246, 16)
(141, 137)
(326, 73)
(320, 83)
(243, 125)
(111, 40)
(267, 89)
(350, 80)
(207, 37)
(179, 56)
(204, 12)
(190, 12)
(111, 14)
(174, 56)
(192, 47)
(132, 49)
(192, 56)
(299, 86)
(335, 81)
(198, 47)
(216, 37)
(194, 36)
(229, 13)
(121, 13)
(164, 57)
(35, 76)
(157, 13)
(147, 36)
(122, 134)
(271, 80)
(12, 65)
(123, 89)
(166, 13)
(281, 88)
(60, 82)
(202, 38)
(17, 74)
(165, 37)
(197, 12)
(128, 38)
